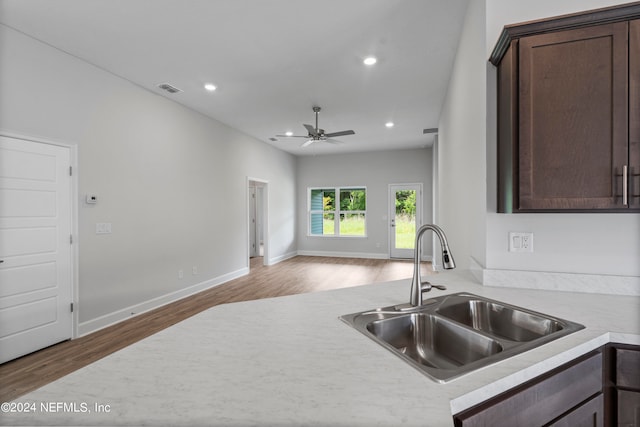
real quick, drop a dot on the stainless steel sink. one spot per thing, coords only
(455, 334)
(433, 341)
(499, 320)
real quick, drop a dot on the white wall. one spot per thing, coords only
(375, 170)
(606, 244)
(172, 182)
(462, 146)
(601, 244)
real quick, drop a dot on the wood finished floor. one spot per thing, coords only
(297, 275)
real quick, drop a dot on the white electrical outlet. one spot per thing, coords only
(180, 274)
(520, 242)
(194, 270)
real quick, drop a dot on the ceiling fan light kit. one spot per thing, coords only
(316, 134)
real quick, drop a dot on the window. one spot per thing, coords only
(338, 211)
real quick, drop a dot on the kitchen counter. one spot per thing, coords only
(291, 361)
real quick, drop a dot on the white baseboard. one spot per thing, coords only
(106, 320)
(275, 260)
(344, 254)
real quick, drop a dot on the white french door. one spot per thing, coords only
(405, 214)
(35, 246)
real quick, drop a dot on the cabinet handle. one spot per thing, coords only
(625, 200)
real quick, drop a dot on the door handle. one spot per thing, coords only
(625, 190)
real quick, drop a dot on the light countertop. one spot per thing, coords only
(291, 361)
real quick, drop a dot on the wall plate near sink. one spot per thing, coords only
(452, 335)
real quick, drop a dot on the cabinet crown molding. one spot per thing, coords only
(587, 18)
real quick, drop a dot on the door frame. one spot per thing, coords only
(392, 211)
(75, 236)
(265, 218)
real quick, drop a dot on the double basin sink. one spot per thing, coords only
(452, 335)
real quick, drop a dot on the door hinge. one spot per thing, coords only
(71, 307)
(70, 170)
(71, 239)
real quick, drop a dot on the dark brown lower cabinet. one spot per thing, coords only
(622, 388)
(570, 395)
(588, 414)
(628, 412)
(601, 388)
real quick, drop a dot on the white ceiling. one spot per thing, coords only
(272, 60)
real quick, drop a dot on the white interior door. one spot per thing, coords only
(35, 246)
(405, 210)
(253, 225)
(258, 219)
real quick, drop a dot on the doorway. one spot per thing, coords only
(405, 215)
(36, 257)
(257, 220)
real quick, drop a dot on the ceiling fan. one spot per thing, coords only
(316, 134)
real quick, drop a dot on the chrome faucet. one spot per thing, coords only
(417, 285)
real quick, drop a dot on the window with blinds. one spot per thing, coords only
(338, 211)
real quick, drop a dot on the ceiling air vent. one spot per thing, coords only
(167, 87)
(430, 130)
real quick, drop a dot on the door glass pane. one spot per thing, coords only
(405, 227)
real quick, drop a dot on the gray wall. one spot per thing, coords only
(375, 170)
(172, 182)
(461, 208)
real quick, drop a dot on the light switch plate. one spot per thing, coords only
(103, 228)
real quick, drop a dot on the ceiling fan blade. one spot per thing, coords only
(311, 129)
(293, 136)
(342, 133)
(333, 141)
(308, 143)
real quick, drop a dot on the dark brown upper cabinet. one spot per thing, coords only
(569, 113)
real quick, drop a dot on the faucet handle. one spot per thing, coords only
(426, 286)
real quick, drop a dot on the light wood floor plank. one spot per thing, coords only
(297, 275)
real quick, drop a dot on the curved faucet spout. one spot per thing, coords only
(417, 286)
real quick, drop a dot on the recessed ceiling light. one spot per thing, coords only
(389, 124)
(289, 133)
(210, 87)
(370, 60)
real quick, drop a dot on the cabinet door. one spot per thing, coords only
(628, 368)
(573, 137)
(634, 114)
(589, 414)
(543, 400)
(628, 408)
